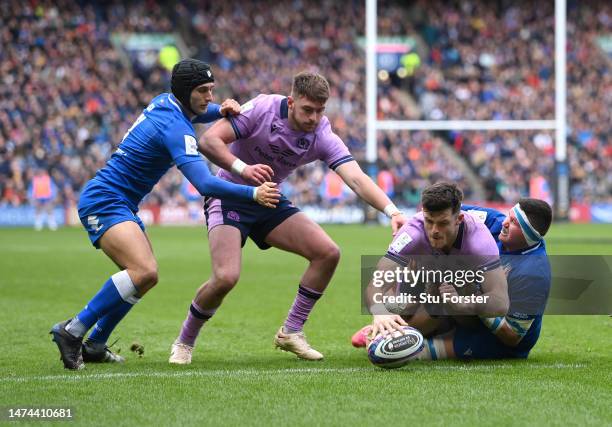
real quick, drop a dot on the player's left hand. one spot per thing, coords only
(387, 324)
(229, 107)
(397, 221)
(268, 194)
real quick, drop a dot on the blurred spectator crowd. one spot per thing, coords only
(68, 94)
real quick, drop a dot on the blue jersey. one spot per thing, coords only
(161, 137)
(529, 280)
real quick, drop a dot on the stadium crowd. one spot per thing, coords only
(67, 93)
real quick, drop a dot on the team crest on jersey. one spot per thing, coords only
(303, 143)
(94, 223)
(233, 215)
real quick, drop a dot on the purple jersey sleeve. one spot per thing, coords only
(330, 147)
(409, 240)
(250, 114)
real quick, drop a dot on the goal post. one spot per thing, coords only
(559, 124)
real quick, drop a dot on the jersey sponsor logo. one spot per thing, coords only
(401, 242)
(279, 159)
(303, 143)
(480, 216)
(247, 106)
(285, 153)
(264, 154)
(191, 147)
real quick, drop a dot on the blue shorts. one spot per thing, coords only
(252, 219)
(99, 210)
(480, 343)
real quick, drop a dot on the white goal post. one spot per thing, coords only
(562, 202)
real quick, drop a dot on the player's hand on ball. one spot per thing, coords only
(268, 194)
(258, 174)
(387, 324)
(397, 221)
(230, 107)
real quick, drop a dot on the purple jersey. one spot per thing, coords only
(264, 136)
(473, 239)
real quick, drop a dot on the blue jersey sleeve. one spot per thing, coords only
(528, 286)
(213, 112)
(493, 219)
(180, 141)
(211, 186)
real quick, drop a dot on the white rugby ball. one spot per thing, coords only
(395, 350)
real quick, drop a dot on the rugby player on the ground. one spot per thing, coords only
(519, 237)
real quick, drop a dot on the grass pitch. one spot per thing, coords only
(237, 377)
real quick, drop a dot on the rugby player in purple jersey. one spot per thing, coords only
(442, 229)
(271, 137)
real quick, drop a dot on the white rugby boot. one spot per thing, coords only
(296, 343)
(180, 353)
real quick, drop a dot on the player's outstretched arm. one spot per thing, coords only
(382, 321)
(200, 177)
(364, 187)
(213, 144)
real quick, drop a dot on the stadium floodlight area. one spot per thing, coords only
(559, 125)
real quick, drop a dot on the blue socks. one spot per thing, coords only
(115, 298)
(105, 326)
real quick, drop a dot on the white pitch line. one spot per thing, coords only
(242, 372)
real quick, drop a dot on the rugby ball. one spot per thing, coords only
(395, 350)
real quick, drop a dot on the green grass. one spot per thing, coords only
(237, 377)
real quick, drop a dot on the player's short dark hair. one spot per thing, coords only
(441, 196)
(539, 213)
(311, 85)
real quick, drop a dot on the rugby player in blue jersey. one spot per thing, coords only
(162, 136)
(519, 237)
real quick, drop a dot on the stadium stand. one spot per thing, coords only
(68, 93)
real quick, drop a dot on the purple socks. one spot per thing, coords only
(301, 308)
(196, 317)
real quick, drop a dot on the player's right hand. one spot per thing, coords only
(387, 324)
(257, 174)
(268, 194)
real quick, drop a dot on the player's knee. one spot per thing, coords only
(151, 277)
(330, 253)
(225, 280)
(147, 276)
